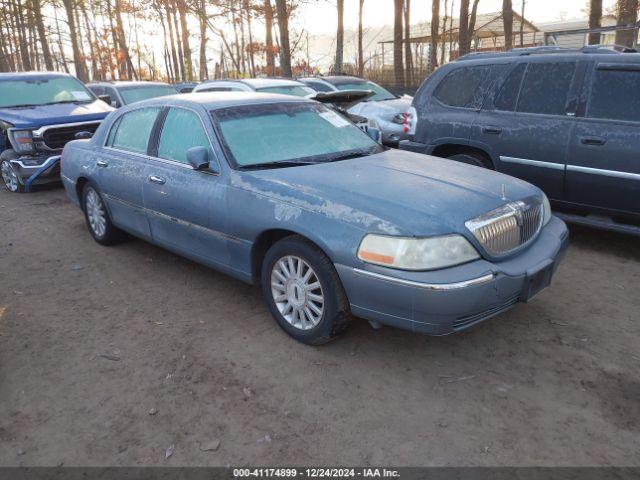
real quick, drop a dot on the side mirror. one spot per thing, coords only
(198, 157)
(83, 135)
(106, 99)
(374, 133)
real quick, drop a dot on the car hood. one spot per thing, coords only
(35, 117)
(384, 108)
(394, 192)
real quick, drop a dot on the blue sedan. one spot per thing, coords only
(283, 192)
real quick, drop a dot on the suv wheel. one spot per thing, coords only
(472, 159)
(303, 291)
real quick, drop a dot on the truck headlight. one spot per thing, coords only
(547, 210)
(408, 253)
(22, 140)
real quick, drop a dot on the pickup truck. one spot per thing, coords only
(39, 113)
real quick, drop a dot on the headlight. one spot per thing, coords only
(547, 210)
(408, 253)
(22, 140)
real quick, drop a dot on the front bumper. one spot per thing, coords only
(453, 299)
(28, 165)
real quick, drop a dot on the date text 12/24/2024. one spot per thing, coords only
(315, 473)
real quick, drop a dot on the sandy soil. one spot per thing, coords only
(92, 339)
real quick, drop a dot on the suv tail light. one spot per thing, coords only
(411, 121)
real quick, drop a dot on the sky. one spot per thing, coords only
(319, 17)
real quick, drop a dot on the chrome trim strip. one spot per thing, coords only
(427, 286)
(533, 163)
(40, 131)
(607, 173)
(34, 167)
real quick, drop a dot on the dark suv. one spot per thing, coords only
(567, 121)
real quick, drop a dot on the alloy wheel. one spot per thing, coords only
(9, 177)
(96, 213)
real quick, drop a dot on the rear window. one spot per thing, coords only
(545, 88)
(138, 93)
(295, 90)
(461, 87)
(615, 95)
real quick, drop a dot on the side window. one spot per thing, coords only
(216, 89)
(461, 87)
(182, 130)
(319, 86)
(508, 94)
(131, 131)
(545, 88)
(615, 95)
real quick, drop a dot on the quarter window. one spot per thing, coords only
(615, 95)
(132, 130)
(545, 88)
(181, 131)
(461, 88)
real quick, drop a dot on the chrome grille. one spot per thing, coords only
(55, 138)
(509, 227)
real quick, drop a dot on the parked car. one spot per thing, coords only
(327, 220)
(566, 121)
(120, 93)
(341, 101)
(185, 87)
(263, 85)
(39, 113)
(388, 110)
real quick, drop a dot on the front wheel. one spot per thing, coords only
(303, 291)
(97, 217)
(10, 178)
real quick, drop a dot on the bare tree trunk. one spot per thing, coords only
(472, 21)
(174, 55)
(252, 62)
(42, 35)
(283, 27)
(627, 15)
(443, 39)
(63, 60)
(186, 49)
(268, 25)
(22, 28)
(78, 61)
(507, 19)
(360, 52)
(407, 43)
(337, 68)
(123, 42)
(595, 20)
(435, 33)
(464, 42)
(398, 66)
(178, 42)
(95, 73)
(203, 74)
(524, 2)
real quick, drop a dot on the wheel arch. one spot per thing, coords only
(446, 150)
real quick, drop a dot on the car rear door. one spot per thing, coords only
(603, 168)
(185, 207)
(527, 124)
(121, 168)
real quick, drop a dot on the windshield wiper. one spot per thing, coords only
(349, 155)
(277, 164)
(66, 101)
(25, 105)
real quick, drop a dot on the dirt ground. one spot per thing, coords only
(92, 339)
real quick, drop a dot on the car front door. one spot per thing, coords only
(603, 168)
(185, 207)
(121, 168)
(528, 123)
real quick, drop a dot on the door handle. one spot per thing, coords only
(102, 163)
(158, 180)
(597, 141)
(492, 130)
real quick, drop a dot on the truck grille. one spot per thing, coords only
(55, 138)
(509, 227)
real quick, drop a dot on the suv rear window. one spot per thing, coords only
(615, 95)
(545, 88)
(461, 87)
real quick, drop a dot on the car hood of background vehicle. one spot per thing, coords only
(394, 192)
(35, 117)
(385, 108)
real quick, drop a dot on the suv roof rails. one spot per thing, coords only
(548, 49)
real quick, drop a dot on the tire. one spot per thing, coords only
(97, 217)
(10, 178)
(472, 159)
(316, 322)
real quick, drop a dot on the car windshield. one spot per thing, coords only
(138, 93)
(42, 91)
(289, 133)
(379, 93)
(296, 90)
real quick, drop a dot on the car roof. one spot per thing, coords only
(33, 75)
(257, 83)
(597, 53)
(128, 83)
(218, 100)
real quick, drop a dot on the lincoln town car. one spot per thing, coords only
(282, 192)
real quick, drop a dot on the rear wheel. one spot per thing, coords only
(303, 291)
(97, 217)
(471, 159)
